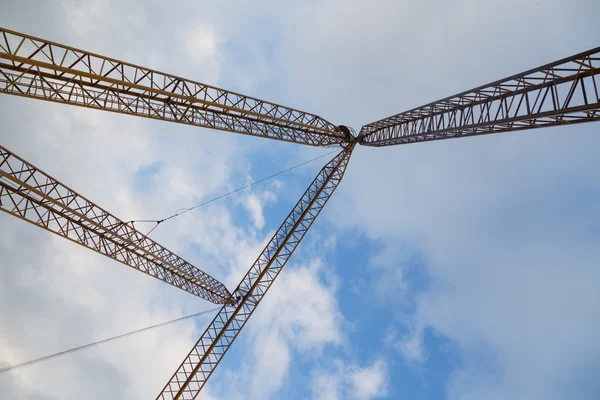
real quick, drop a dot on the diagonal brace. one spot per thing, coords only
(206, 354)
(28, 193)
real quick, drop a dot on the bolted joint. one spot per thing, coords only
(234, 300)
(349, 133)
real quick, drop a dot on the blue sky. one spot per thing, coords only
(459, 269)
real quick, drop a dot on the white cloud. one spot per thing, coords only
(252, 204)
(370, 382)
(202, 43)
(351, 381)
(202, 49)
(506, 224)
(410, 345)
(60, 296)
(271, 361)
(326, 386)
(511, 256)
(255, 202)
(308, 295)
(511, 263)
(55, 294)
(299, 317)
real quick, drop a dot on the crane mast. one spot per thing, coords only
(563, 92)
(206, 354)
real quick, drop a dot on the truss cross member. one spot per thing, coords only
(202, 360)
(30, 194)
(563, 92)
(38, 68)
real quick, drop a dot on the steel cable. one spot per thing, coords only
(87, 346)
(185, 210)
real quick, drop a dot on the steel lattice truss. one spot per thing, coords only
(36, 197)
(38, 68)
(563, 92)
(193, 373)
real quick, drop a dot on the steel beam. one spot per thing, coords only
(37, 68)
(31, 195)
(560, 93)
(206, 354)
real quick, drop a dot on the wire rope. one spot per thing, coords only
(185, 210)
(87, 346)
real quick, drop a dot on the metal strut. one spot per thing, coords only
(31, 195)
(38, 68)
(206, 354)
(560, 93)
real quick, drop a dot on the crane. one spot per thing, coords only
(559, 93)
